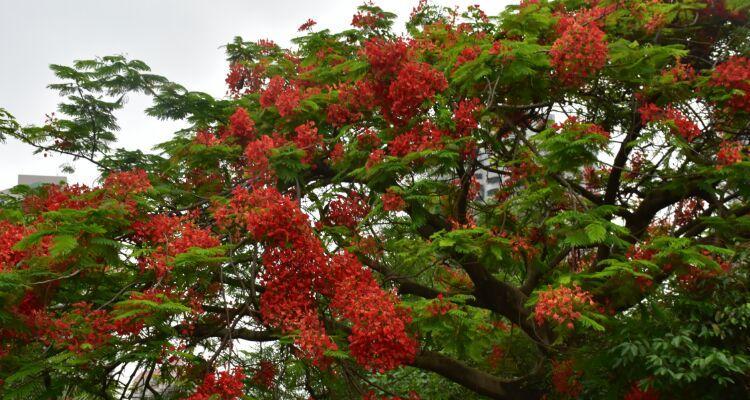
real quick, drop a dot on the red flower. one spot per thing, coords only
(264, 374)
(285, 96)
(468, 54)
(257, 153)
(392, 201)
(425, 136)
(415, 83)
(562, 305)
(734, 74)
(226, 386)
(375, 158)
(348, 210)
(297, 269)
(565, 378)
(729, 153)
(636, 393)
(579, 53)
(465, 116)
(241, 125)
(308, 139)
(10, 235)
(307, 25)
(126, 183)
(206, 138)
(681, 125)
(386, 57)
(367, 19)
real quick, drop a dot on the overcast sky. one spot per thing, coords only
(179, 39)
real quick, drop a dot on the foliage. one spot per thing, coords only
(321, 232)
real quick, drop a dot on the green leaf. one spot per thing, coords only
(62, 245)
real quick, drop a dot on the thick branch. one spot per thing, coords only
(472, 378)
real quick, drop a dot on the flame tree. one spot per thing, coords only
(318, 232)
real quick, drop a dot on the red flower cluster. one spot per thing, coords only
(241, 125)
(386, 57)
(241, 77)
(264, 374)
(353, 100)
(79, 330)
(375, 158)
(171, 235)
(465, 116)
(124, 184)
(206, 138)
(680, 72)
(562, 305)
(285, 96)
(348, 210)
(307, 25)
(257, 153)
(571, 124)
(308, 140)
(636, 393)
(439, 306)
(681, 125)
(424, 136)
(226, 386)
(379, 340)
(729, 153)
(10, 235)
(734, 75)
(392, 201)
(496, 356)
(579, 53)
(55, 197)
(468, 54)
(337, 153)
(367, 19)
(415, 83)
(296, 267)
(565, 379)
(368, 140)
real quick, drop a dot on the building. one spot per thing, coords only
(36, 181)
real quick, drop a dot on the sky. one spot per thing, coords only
(179, 39)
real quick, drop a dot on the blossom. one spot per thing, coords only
(297, 268)
(680, 124)
(415, 83)
(392, 201)
(241, 125)
(730, 152)
(636, 393)
(425, 136)
(284, 96)
(578, 53)
(468, 54)
(264, 374)
(465, 116)
(562, 305)
(386, 57)
(308, 140)
(126, 183)
(565, 378)
(348, 210)
(10, 235)
(307, 25)
(375, 158)
(225, 385)
(257, 155)
(733, 75)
